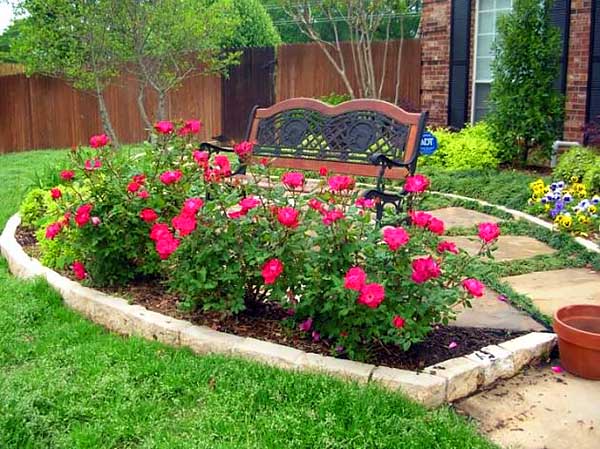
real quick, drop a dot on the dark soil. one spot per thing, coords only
(270, 322)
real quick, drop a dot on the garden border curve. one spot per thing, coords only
(435, 385)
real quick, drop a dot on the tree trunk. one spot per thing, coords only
(142, 107)
(105, 118)
(161, 111)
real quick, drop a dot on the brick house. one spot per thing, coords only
(456, 55)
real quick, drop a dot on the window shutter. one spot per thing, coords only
(593, 105)
(460, 43)
(560, 16)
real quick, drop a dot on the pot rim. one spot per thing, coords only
(567, 332)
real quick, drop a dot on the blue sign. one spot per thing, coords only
(429, 143)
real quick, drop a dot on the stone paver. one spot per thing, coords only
(550, 290)
(460, 217)
(489, 312)
(539, 410)
(510, 247)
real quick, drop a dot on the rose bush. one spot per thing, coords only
(232, 243)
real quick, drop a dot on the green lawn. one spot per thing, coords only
(66, 383)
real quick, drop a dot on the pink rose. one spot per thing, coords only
(243, 149)
(293, 180)
(364, 203)
(191, 206)
(271, 270)
(317, 205)
(223, 164)
(159, 231)
(371, 295)
(288, 217)
(92, 164)
(355, 279)
(340, 183)
(474, 287)
(305, 326)
(149, 215)
(95, 221)
(166, 246)
(331, 216)
(164, 127)
(170, 177)
(55, 193)
(99, 141)
(416, 184)
(395, 237)
(143, 194)
(82, 215)
(190, 127)
(398, 322)
(53, 230)
(140, 179)
(133, 187)
(67, 175)
(436, 226)
(249, 203)
(236, 213)
(488, 232)
(185, 224)
(420, 219)
(201, 158)
(424, 269)
(447, 246)
(323, 171)
(79, 270)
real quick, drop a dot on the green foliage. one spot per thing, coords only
(334, 98)
(8, 38)
(592, 177)
(255, 27)
(34, 206)
(471, 148)
(575, 163)
(526, 110)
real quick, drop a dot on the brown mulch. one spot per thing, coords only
(269, 322)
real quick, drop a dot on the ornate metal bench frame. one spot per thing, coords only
(364, 137)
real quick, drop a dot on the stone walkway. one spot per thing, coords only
(538, 409)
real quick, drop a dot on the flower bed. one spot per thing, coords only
(226, 245)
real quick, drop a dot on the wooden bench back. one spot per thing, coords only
(306, 134)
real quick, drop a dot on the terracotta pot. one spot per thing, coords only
(578, 330)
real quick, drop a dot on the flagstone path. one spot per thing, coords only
(538, 409)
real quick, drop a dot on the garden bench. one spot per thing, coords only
(366, 138)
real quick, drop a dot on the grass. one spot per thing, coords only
(67, 383)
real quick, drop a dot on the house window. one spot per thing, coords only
(488, 12)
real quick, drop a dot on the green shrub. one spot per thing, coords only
(335, 98)
(592, 177)
(34, 206)
(55, 253)
(471, 148)
(575, 163)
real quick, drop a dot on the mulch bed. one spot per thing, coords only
(269, 322)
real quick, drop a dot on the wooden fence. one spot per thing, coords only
(42, 112)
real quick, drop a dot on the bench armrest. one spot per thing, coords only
(381, 159)
(212, 148)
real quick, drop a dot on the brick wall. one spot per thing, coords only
(577, 69)
(435, 57)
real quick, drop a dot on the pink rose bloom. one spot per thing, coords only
(416, 184)
(201, 158)
(340, 183)
(488, 232)
(133, 187)
(149, 215)
(82, 215)
(288, 217)
(55, 193)
(323, 171)
(395, 237)
(305, 326)
(236, 213)
(243, 149)
(53, 230)
(171, 176)
(364, 203)
(420, 219)
(140, 179)
(331, 216)
(143, 194)
(92, 165)
(317, 205)
(79, 270)
(271, 270)
(355, 279)
(293, 179)
(436, 226)
(447, 246)
(185, 224)
(191, 206)
(424, 269)
(166, 246)
(159, 231)
(371, 295)
(223, 164)
(67, 175)
(99, 141)
(96, 221)
(249, 203)
(474, 287)
(190, 127)
(164, 127)
(398, 322)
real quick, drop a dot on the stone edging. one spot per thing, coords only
(435, 385)
(587, 244)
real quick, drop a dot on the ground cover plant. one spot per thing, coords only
(229, 244)
(67, 383)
